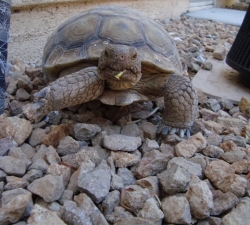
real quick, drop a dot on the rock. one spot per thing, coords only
(15, 182)
(15, 209)
(152, 163)
(149, 145)
(127, 176)
(53, 117)
(51, 156)
(95, 184)
(192, 168)
(6, 126)
(208, 114)
(241, 166)
(149, 129)
(23, 129)
(40, 187)
(239, 215)
(222, 175)
(40, 216)
(22, 95)
(207, 66)
(176, 209)
(2, 175)
(125, 159)
(36, 137)
(212, 104)
(244, 105)
(200, 199)
(74, 215)
(28, 150)
(84, 131)
(5, 144)
(223, 202)
(238, 140)
(111, 129)
(131, 130)
(25, 83)
(151, 211)
(57, 133)
(213, 151)
(150, 183)
(235, 123)
(214, 139)
(214, 127)
(133, 220)
(233, 156)
(60, 170)
(110, 202)
(39, 164)
(13, 166)
(229, 146)
(119, 142)
(174, 180)
(166, 149)
(68, 145)
(189, 147)
(85, 203)
(32, 175)
(67, 195)
(116, 182)
(133, 197)
(219, 53)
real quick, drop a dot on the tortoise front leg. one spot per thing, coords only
(181, 105)
(76, 88)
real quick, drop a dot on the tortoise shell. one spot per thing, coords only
(81, 39)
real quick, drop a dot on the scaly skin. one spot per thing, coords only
(76, 88)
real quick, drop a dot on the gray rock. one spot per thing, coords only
(15, 182)
(200, 199)
(192, 168)
(28, 150)
(219, 53)
(241, 166)
(176, 209)
(131, 130)
(133, 220)
(151, 211)
(95, 183)
(111, 129)
(152, 163)
(13, 166)
(51, 155)
(86, 204)
(149, 145)
(60, 170)
(39, 164)
(53, 117)
(67, 195)
(25, 83)
(239, 215)
(223, 202)
(74, 215)
(84, 131)
(213, 151)
(189, 147)
(233, 156)
(238, 140)
(40, 215)
(226, 104)
(68, 145)
(208, 114)
(36, 136)
(166, 149)
(212, 104)
(199, 159)
(118, 214)
(119, 142)
(1, 188)
(110, 202)
(17, 152)
(149, 129)
(2, 175)
(214, 139)
(32, 175)
(125, 159)
(174, 180)
(5, 144)
(22, 95)
(126, 175)
(40, 187)
(116, 182)
(214, 220)
(207, 66)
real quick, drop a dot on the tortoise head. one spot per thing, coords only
(120, 66)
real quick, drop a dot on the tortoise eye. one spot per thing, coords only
(134, 56)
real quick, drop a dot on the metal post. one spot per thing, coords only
(5, 12)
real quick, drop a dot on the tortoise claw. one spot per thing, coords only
(165, 130)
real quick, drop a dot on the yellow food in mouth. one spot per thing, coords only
(119, 75)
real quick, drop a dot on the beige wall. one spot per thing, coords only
(224, 3)
(32, 22)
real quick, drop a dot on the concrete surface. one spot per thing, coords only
(221, 82)
(228, 16)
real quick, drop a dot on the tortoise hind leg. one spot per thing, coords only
(181, 105)
(76, 88)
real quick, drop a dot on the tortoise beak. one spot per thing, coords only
(119, 75)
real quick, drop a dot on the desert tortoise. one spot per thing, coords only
(117, 55)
